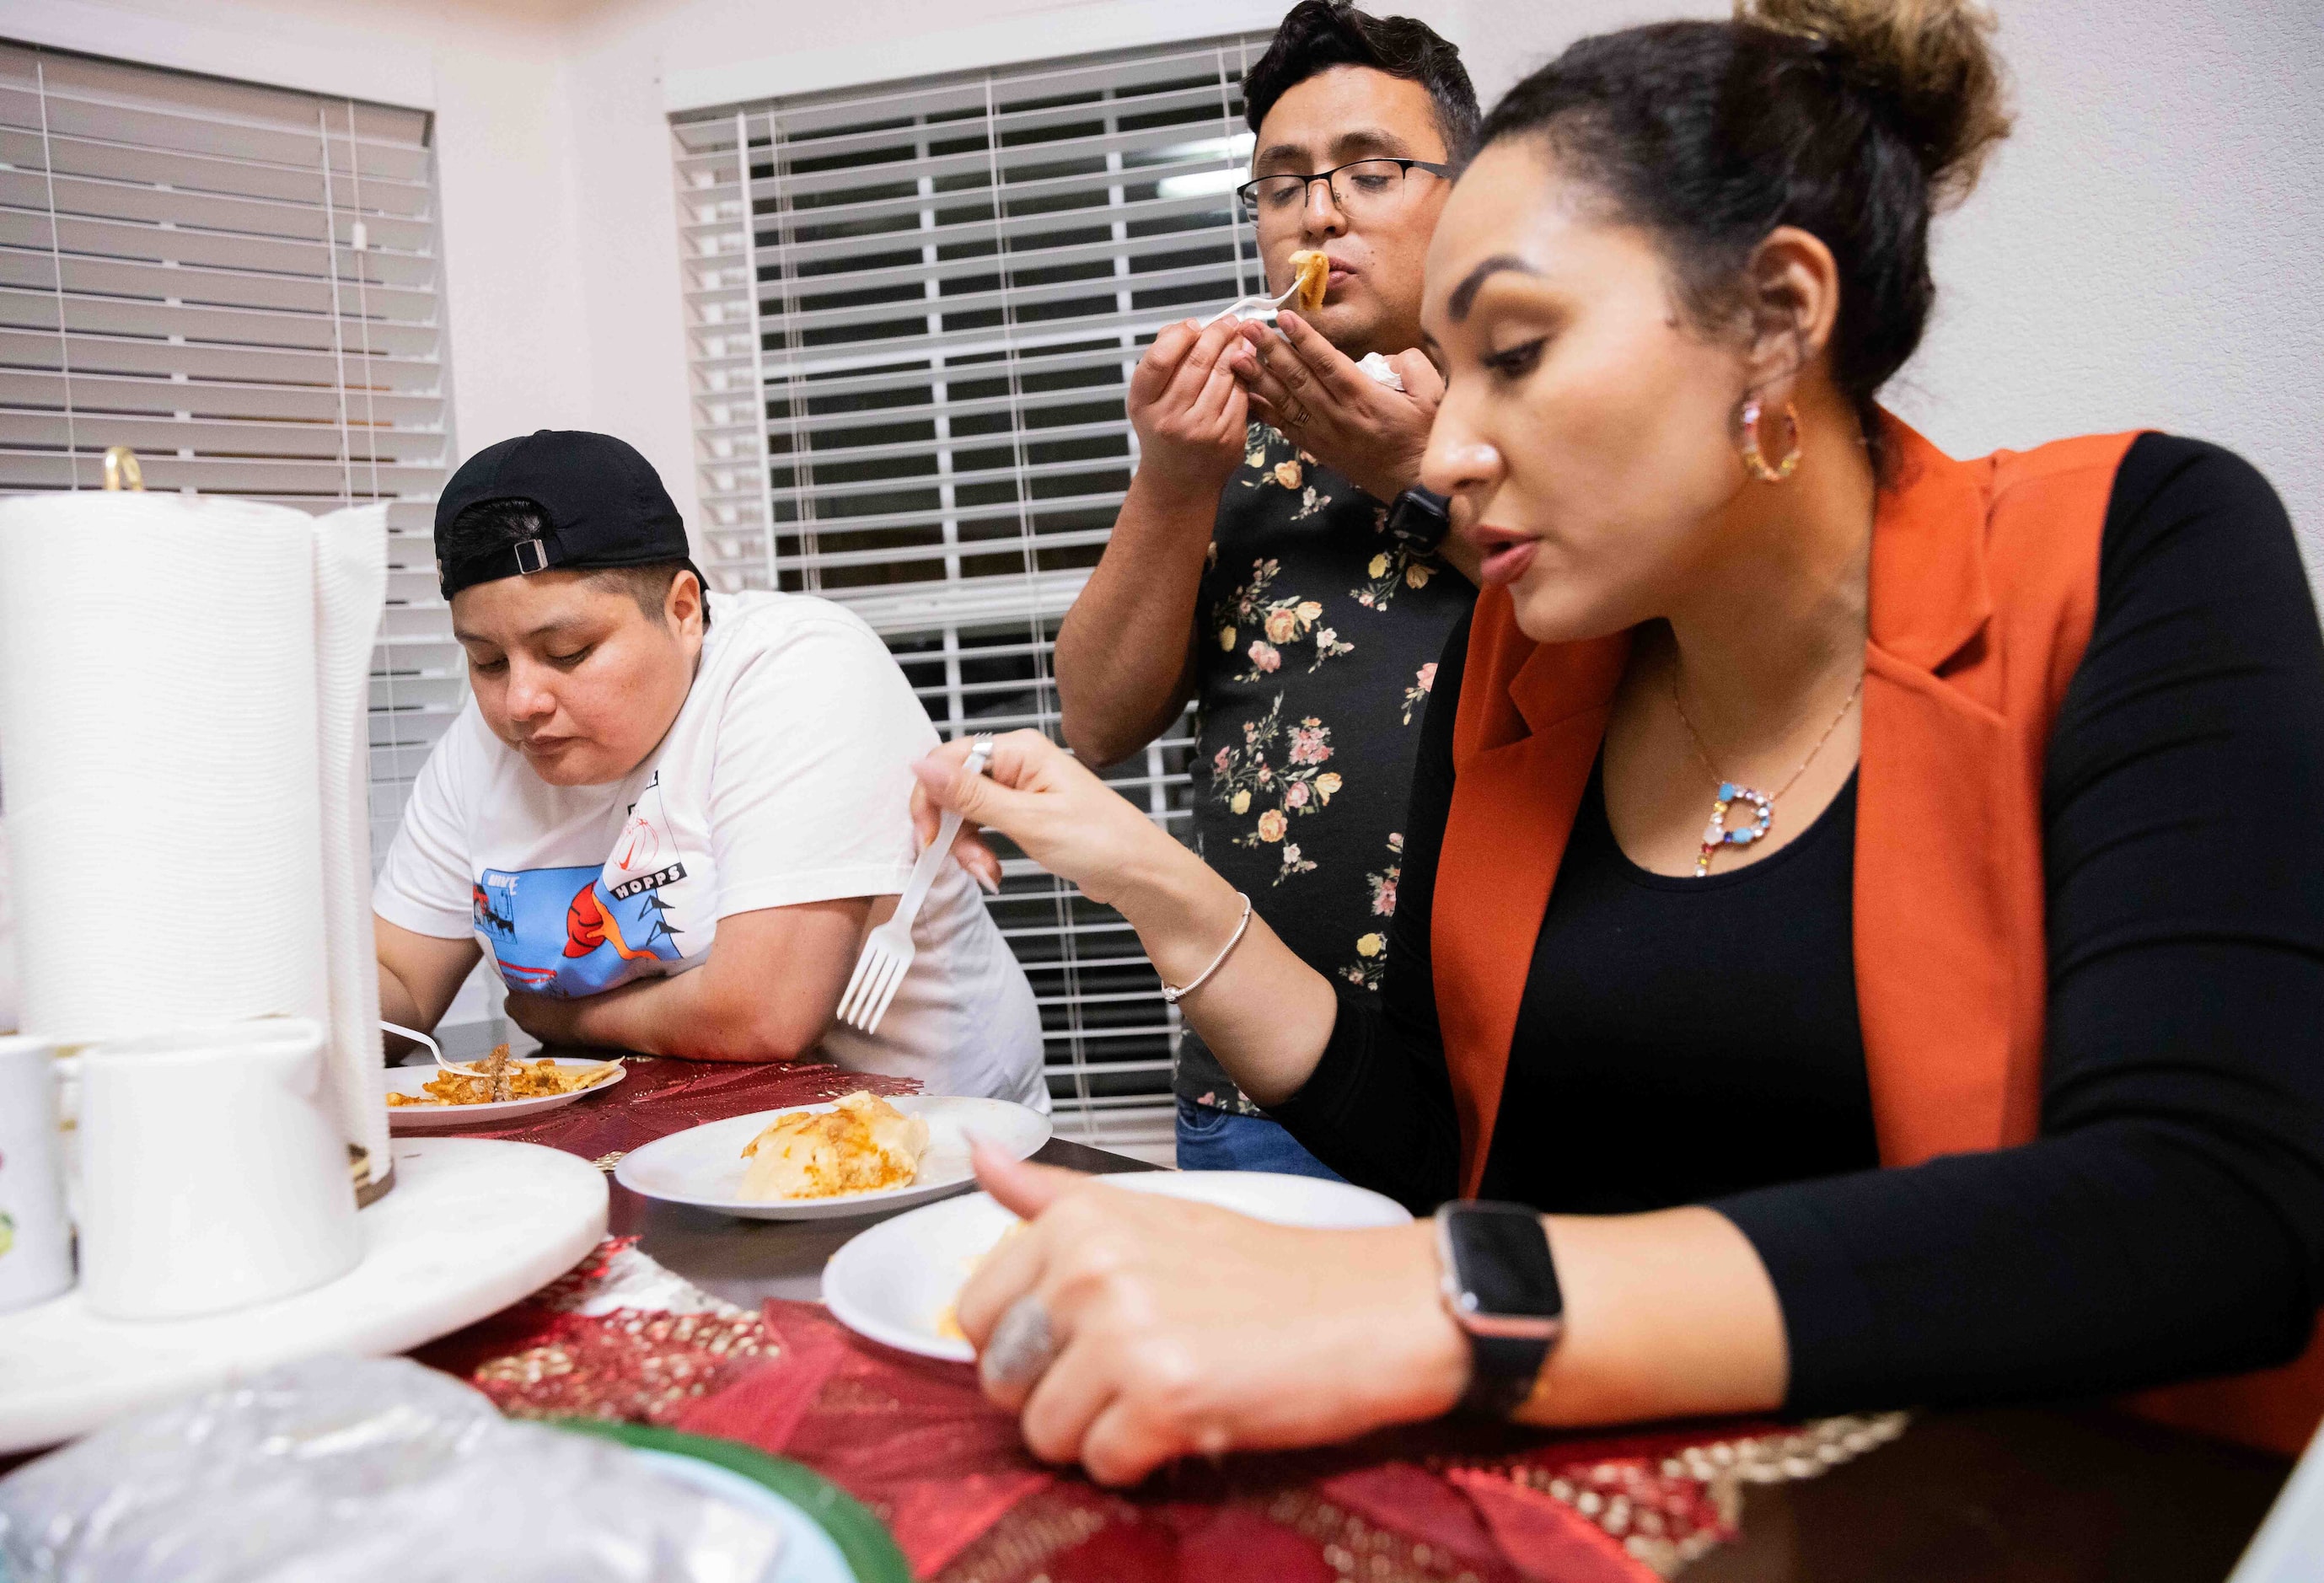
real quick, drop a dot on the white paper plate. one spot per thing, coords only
(703, 1166)
(893, 1279)
(411, 1079)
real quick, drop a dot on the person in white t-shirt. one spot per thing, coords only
(672, 836)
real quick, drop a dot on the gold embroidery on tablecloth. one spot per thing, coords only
(845, 1394)
(1043, 1524)
(1358, 1551)
(1622, 1496)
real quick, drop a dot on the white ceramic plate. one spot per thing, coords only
(703, 1166)
(410, 1080)
(890, 1283)
(472, 1225)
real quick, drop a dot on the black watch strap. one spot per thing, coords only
(1418, 518)
(1501, 1374)
(1500, 1283)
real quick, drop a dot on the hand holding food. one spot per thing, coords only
(862, 1146)
(1330, 408)
(1188, 412)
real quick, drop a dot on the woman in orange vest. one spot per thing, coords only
(1862, 905)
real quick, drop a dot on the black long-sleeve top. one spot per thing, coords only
(1685, 1041)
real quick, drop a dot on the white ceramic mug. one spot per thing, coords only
(36, 1259)
(213, 1176)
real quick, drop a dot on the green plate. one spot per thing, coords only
(861, 1541)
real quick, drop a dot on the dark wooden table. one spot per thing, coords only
(2017, 1495)
(2020, 1495)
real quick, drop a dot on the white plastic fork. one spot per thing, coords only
(459, 1068)
(887, 954)
(1261, 307)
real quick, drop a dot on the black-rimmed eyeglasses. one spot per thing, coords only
(1357, 188)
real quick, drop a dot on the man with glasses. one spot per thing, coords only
(1275, 559)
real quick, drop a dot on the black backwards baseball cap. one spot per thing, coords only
(602, 505)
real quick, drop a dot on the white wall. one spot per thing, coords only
(2142, 253)
(2145, 252)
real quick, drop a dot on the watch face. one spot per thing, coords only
(1502, 1256)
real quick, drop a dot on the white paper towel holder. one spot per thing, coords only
(122, 472)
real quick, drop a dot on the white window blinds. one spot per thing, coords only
(239, 283)
(912, 311)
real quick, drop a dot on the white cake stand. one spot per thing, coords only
(471, 1226)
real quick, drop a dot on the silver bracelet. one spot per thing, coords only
(1173, 996)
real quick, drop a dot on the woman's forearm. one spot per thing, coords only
(1265, 1014)
(1667, 1315)
(1188, 1329)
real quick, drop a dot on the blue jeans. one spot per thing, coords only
(1221, 1140)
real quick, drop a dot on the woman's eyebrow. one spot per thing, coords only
(1465, 295)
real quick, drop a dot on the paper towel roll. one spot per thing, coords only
(7, 936)
(157, 713)
(350, 591)
(183, 691)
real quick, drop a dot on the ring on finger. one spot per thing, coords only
(1297, 417)
(1021, 1347)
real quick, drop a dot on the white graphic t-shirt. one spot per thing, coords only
(786, 779)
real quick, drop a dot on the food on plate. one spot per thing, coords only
(1312, 272)
(948, 1316)
(863, 1145)
(499, 1077)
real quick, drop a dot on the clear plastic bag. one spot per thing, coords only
(362, 1471)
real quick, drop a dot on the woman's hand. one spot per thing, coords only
(1264, 1013)
(1173, 1327)
(1045, 800)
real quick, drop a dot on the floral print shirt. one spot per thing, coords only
(1317, 635)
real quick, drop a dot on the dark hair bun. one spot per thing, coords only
(1930, 61)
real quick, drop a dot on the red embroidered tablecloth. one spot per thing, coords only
(622, 1338)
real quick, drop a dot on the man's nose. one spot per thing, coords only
(1322, 217)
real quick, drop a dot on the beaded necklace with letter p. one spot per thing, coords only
(1715, 834)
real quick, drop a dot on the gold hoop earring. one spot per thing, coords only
(1755, 461)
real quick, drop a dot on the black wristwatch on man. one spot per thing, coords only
(1500, 1286)
(1418, 518)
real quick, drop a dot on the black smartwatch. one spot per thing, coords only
(1419, 520)
(1501, 1286)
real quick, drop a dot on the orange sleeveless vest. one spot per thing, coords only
(1984, 589)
